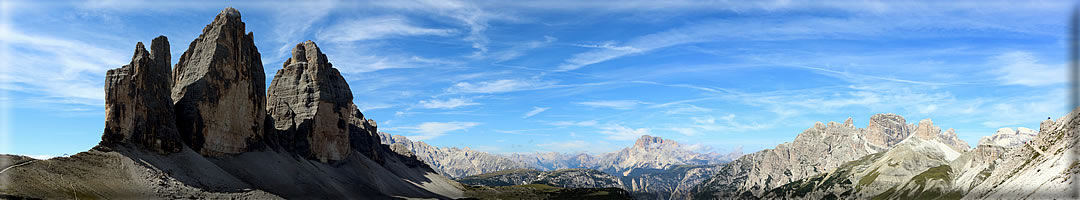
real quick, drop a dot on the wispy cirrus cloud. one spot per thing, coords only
(536, 110)
(497, 86)
(614, 104)
(431, 130)
(573, 123)
(473, 17)
(63, 71)
(619, 132)
(1022, 68)
(446, 104)
(371, 28)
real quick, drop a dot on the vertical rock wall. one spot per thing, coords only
(219, 89)
(138, 110)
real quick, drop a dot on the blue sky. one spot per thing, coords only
(575, 76)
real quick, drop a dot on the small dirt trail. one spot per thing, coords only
(16, 165)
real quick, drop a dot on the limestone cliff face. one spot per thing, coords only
(816, 150)
(1044, 168)
(311, 105)
(138, 109)
(219, 89)
(927, 131)
(886, 130)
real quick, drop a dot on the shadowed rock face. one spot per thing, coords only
(219, 89)
(311, 105)
(138, 110)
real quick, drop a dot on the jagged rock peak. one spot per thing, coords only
(138, 110)
(159, 52)
(926, 130)
(886, 129)
(219, 89)
(311, 106)
(308, 52)
(849, 122)
(647, 141)
(230, 12)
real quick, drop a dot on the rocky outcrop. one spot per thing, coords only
(449, 161)
(927, 131)
(1044, 168)
(219, 89)
(873, 174)
(311, 106)
(1008, 138)
(817, 150)
(138, 110)
(886, 130)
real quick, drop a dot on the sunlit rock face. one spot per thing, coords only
(886, 130)
(311, 105)
(927, 131)
(138, 110)
(219, 89)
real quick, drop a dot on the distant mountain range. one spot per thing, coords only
(889, 159)
(653, 167)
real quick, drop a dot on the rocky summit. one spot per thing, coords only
(311, 106)
(138, 109)
(219, 89)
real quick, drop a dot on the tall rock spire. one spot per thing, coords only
(138, 110)
(219, 89)
(311, 105)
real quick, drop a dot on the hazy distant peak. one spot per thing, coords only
(647, 141)
(1008, 138)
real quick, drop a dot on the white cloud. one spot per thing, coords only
(471, 16)
(365, 106)
(618, 132)
(519, 50)
(431, 130)
(536, 110)
(695, 147)
(371, 28)
(614, 104)
(570, 123)
(447, 104)
(497, 86)
(1022, 68)
(687, 108)
(901, 23)
(293, 20)
(712, 124)
(58, 70)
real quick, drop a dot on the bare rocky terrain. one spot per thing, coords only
(925, 163)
